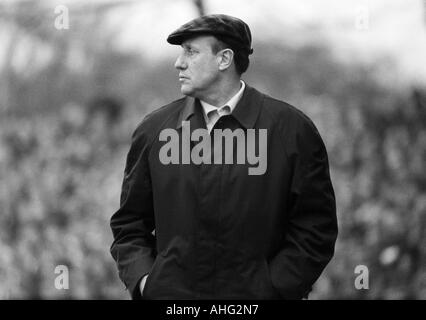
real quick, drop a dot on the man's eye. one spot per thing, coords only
(190, 52)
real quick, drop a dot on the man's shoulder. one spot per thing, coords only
(286, 114)
(154, 120)
(297, 129)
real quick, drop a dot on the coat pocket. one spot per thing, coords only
(152, 275)
(266, 286)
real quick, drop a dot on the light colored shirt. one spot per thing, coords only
(212, 113)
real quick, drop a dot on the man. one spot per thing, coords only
(194, 222)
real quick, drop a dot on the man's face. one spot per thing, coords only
(198, 66)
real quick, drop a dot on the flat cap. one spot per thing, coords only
(221, 25)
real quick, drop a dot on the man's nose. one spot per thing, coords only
(180, 63)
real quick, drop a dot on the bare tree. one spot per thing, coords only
(200, 7)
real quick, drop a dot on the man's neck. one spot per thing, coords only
(223, 93)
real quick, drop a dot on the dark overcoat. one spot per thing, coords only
(213, 231)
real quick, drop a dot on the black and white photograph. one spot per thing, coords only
(212, 150)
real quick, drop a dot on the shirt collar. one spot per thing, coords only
(232, 103)
(246, 111)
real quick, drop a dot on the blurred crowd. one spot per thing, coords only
(59, 187)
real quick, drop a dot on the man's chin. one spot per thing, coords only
(185, 90)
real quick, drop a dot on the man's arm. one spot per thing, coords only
(133, 247)
(311, 231)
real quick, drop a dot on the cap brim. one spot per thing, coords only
(178, 38)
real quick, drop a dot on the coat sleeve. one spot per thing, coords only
(133, 247)
(311, 226)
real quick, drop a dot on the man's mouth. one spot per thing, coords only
(182, 78)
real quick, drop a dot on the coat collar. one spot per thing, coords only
(187, 111)
(248, 108)
(246, 111)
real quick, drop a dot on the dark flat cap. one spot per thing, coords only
(221, 25)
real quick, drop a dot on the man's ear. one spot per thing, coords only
(225, 58)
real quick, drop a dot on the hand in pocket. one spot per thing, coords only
(142, 283)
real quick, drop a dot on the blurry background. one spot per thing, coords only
(70, 99)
